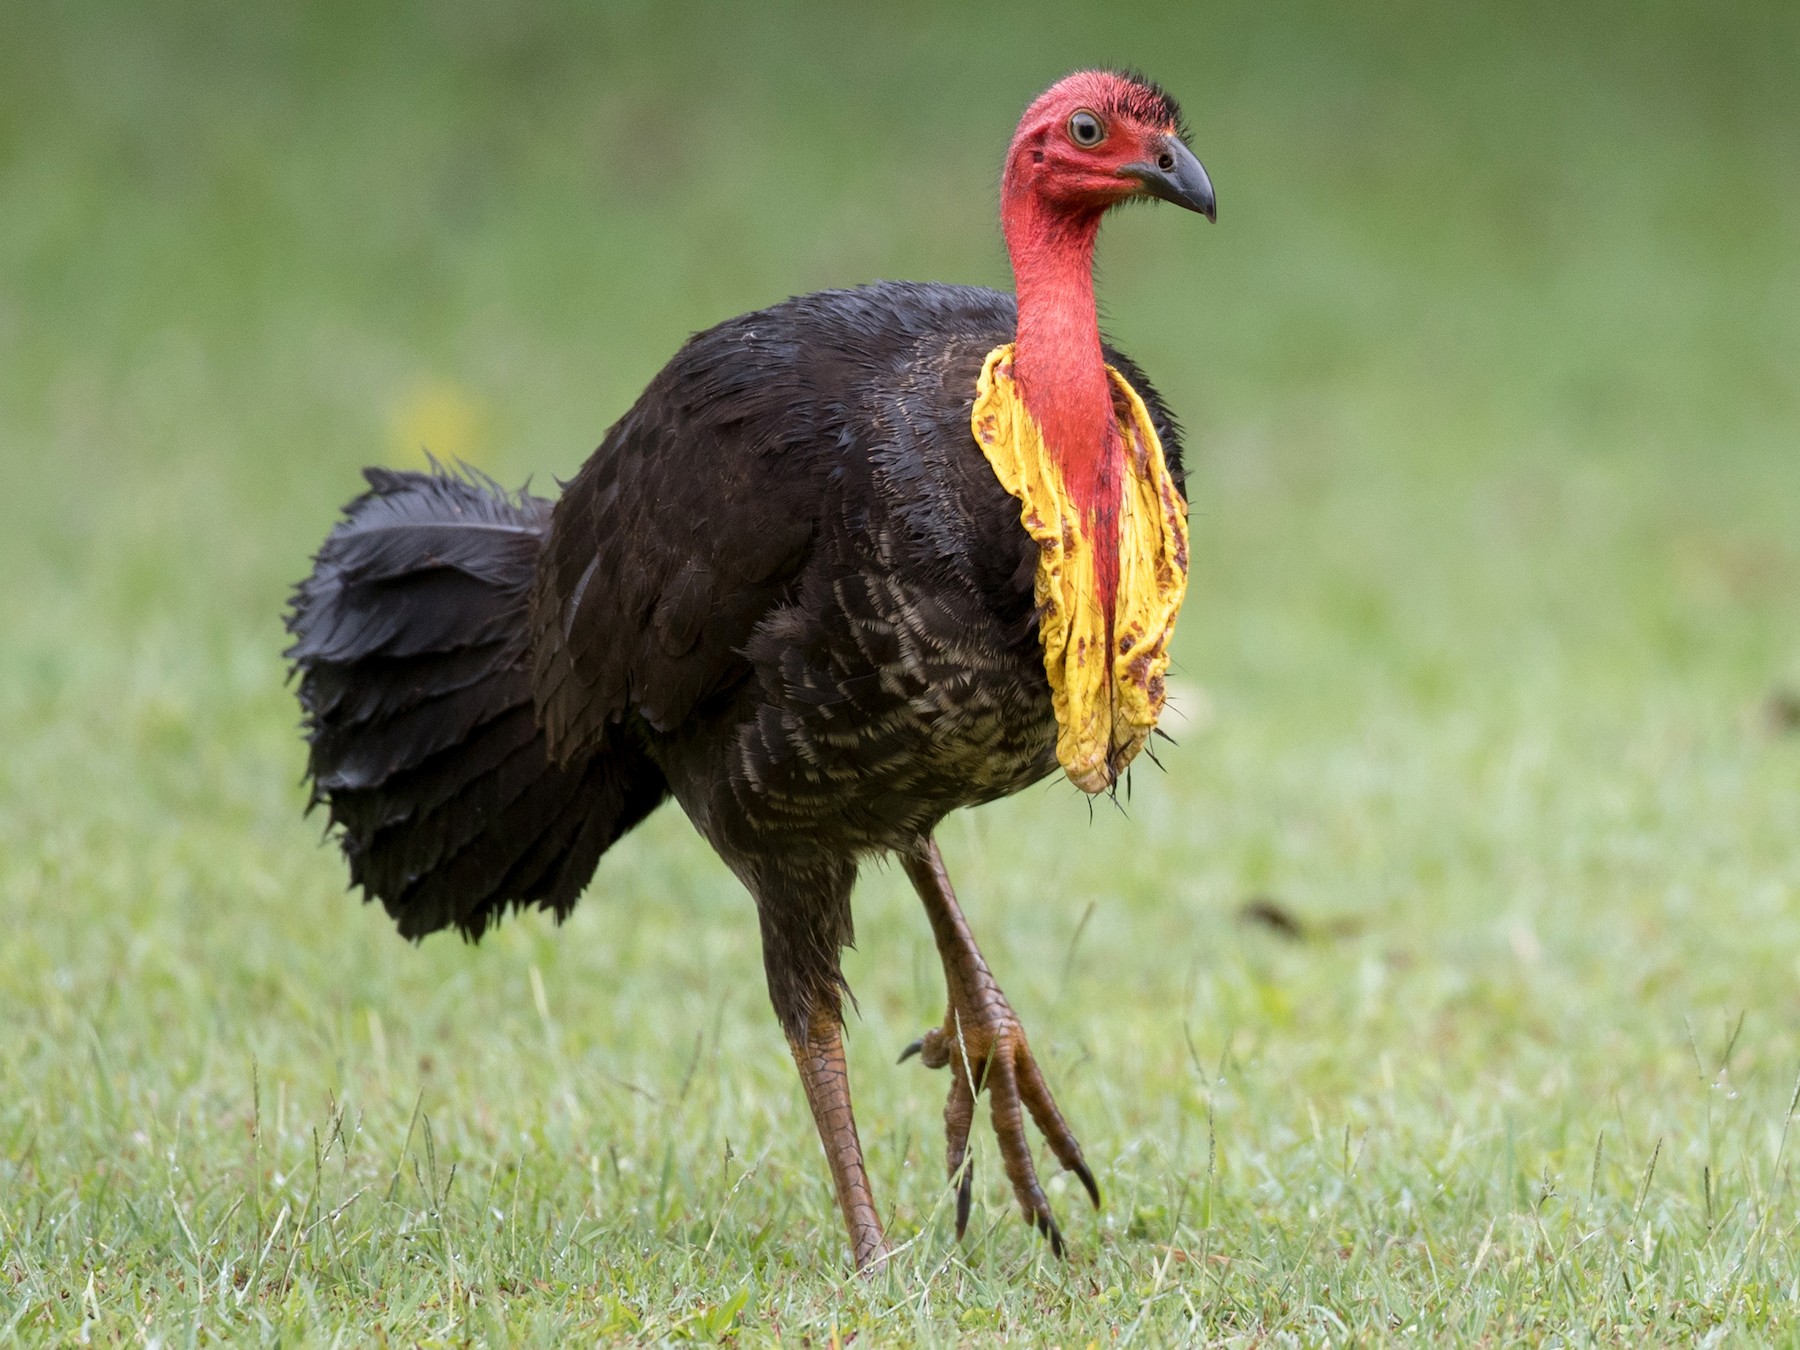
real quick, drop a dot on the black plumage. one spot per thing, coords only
(789, 591)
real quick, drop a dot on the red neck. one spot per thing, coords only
(1057, 361)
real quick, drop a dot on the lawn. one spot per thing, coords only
(1486, 685)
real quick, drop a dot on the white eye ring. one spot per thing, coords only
(1086, 129)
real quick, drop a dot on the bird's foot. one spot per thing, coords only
(985, 1047)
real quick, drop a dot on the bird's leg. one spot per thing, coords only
(984, 1045)
(827, 1081)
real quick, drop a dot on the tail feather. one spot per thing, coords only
(423, 788)
(482, 865)
(430, 611)
(411, 644)
(369, 753)
(462, 521)
(381, 687)
(542, 848)
(435, 834)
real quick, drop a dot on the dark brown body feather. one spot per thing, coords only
(787, 589)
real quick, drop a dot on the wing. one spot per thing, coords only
(681, 531)
(696, 515)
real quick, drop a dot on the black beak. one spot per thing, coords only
(1176, 176)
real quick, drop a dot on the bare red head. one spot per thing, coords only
(1097, 138)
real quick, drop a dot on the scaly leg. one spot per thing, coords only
(827, 1081)
(985, 1046)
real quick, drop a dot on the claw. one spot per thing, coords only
(1087, 1179)
(1047, 1226)
(911, 1050)
(964, 1193)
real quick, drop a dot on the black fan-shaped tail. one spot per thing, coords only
(410, 640)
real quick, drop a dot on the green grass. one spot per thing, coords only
(1492, 369)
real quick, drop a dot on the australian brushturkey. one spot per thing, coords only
(848, 564)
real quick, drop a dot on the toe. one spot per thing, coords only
(1015, 1150)
(1035, 1093)
(933, 1049)
(959, 1116)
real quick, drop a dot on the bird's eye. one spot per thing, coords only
(1085, 129)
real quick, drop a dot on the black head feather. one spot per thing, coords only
(1142, 99)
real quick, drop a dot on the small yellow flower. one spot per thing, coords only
(436, 417)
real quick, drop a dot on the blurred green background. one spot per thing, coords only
(1491, 370)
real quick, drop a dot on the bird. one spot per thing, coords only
(849, 563)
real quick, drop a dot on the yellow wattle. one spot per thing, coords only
(1106, 701)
